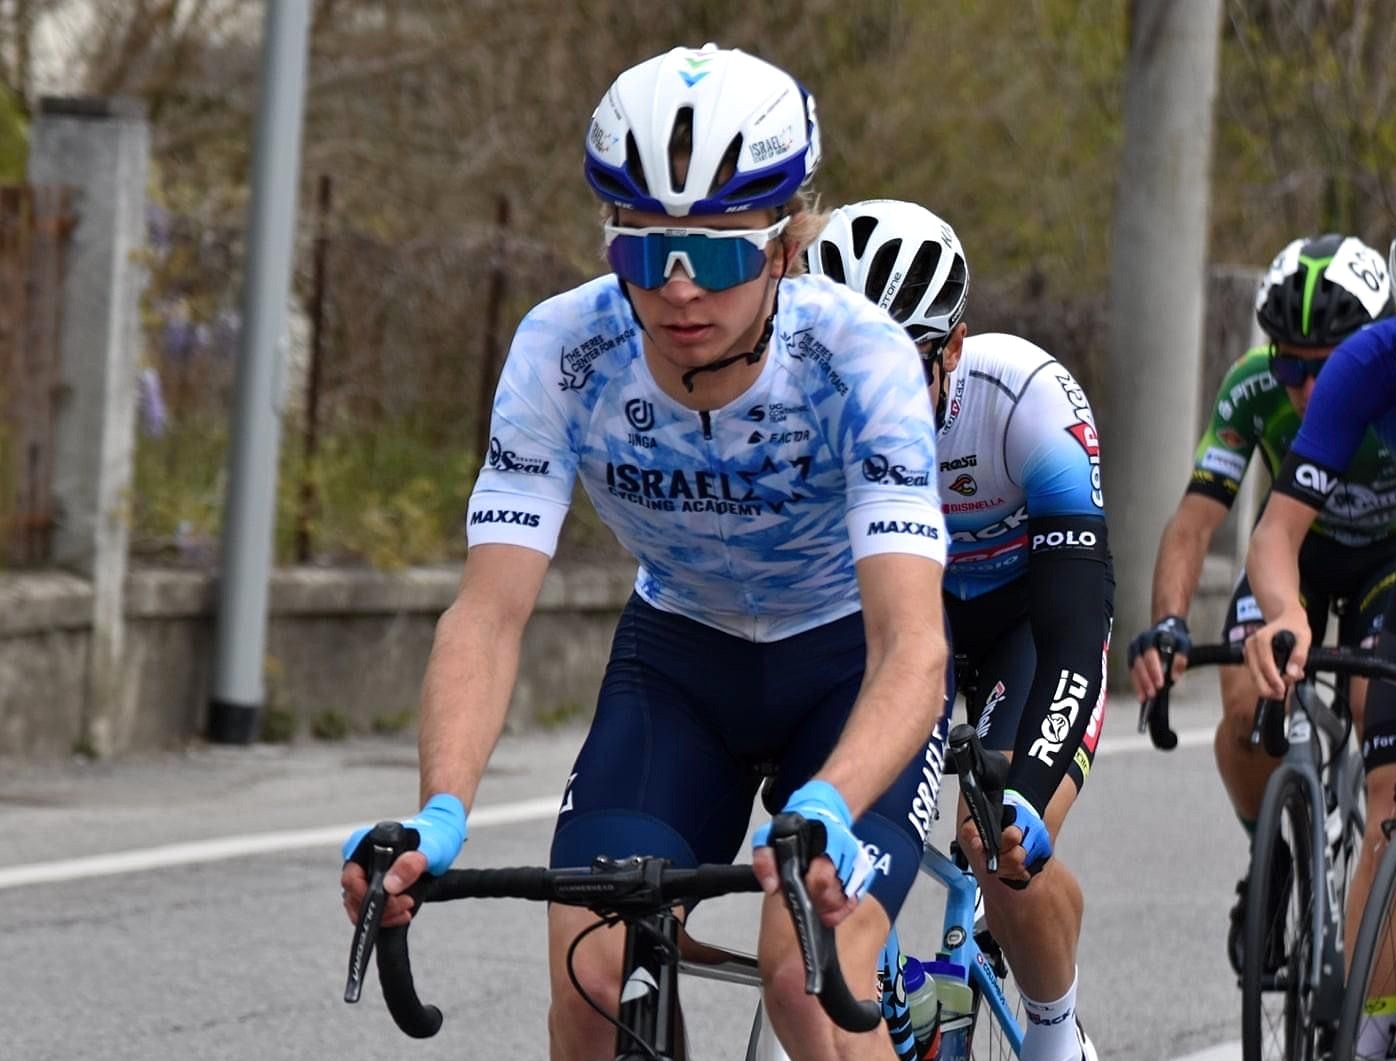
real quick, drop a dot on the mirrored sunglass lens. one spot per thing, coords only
(717, 263)
(1292, 371)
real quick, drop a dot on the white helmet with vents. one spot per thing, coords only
(901, 256)
(746, 130)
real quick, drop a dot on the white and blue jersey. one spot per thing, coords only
(750, 517)
(1018, 443)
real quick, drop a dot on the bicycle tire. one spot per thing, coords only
(1372, 953)
(988, 1041)
(1275, 1000)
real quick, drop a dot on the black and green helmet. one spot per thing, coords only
(1321, 289)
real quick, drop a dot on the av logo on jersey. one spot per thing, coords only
(1314, 478)
(965, 485)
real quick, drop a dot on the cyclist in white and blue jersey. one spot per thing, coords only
(763, 444)
(1355, 390)
(1028, 587)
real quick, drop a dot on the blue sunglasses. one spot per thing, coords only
(1292, 371)
(714, 258)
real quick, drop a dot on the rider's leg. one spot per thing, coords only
(576, 1031)
(1037, 926)
(1244, 768)
(799, 1021)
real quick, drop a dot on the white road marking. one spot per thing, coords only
(151, 858)
(1220, 1052)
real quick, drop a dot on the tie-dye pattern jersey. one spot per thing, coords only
(748, 518)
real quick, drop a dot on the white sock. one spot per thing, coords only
(1051, 1030)
(1374, 1040)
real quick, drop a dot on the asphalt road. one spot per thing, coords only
(187, 907)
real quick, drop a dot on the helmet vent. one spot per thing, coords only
(832, 262)
(633, 169)
(862, 232)
(727, 169)
(680, 147)
(880, 271)
(918, 278)
(953, 290)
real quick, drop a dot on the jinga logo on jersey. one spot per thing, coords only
(970, 460)
(877, 469)
(965, 485)
(902, 526)
(1068, 539)
(505, 515)
(1314, 478)
(1066, 705)
(640, 413)
(506, 460)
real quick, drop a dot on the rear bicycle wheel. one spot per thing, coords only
(996, 1001)
(1276, 998)
(1369, 1000)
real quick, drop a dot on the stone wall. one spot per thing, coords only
(345, 641)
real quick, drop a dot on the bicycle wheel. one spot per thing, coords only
(1373, 972)
(989, 1038)
(1275, 997)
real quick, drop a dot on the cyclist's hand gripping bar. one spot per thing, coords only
(1153, 714)
(982, 776)
(376, 853)
(1269, 727)
(796, 841)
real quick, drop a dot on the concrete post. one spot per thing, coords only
(101, 149)
(1157, 280)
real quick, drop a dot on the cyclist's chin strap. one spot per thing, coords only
(750, 357)
(936, 359)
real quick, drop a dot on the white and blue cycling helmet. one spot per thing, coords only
(748, 130)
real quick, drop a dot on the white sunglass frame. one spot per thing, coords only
(760, 238)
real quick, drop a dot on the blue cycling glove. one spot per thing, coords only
(1037, 842)
(440, 829)
(820, 801)
(1169, 624)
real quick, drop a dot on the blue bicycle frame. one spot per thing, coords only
(958, 942)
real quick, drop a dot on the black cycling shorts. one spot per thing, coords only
(690, 723)
(995, 659)
(1354, 582)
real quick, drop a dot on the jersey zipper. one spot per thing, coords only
(707, 424)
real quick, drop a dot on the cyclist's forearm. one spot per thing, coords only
(898, 707)
(465, 698)
(1178, 569)
(1272, 564)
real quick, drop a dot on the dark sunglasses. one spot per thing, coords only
(1292, 370)
(714, 258)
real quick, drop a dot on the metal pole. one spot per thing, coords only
(310, 494)
(238, 688)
